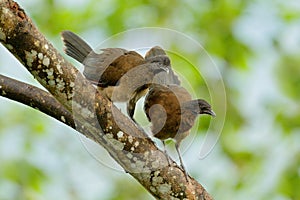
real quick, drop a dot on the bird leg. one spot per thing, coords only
(166, 153)
(181, 163)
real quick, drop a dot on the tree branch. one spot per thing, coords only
(35, 98)
(93, 114)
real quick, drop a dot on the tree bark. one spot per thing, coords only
(75, 102)
(36, 98)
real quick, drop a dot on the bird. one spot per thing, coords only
(155, 55)
(172, 113)
(139, 77)
(116, 71)
(104, 68)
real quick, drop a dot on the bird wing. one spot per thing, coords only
(136, 79)
(154, 55)
(95, 64)
(107, 56)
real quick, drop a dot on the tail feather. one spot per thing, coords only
(75, 47)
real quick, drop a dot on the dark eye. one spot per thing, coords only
(167, 61)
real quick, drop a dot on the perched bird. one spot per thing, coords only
(172, 112)
(104, 68)
(116, 71)
(154, 55)
(139, 77)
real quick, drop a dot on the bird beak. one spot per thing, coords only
(161, 69)
(210, 112)
(166, 69)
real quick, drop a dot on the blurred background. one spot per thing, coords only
(252, 146)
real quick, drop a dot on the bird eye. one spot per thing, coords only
(167, 61)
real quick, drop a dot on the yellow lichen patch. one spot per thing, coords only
(2, 35)
(30, 57)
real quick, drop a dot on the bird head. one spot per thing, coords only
(161, 60)
(158, 55)
(205, 108)
(198, 107)
(155, 51)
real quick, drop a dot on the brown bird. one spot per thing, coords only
(139, 77)
(112, 67)
(172, 112)
(154, 55)
(104, 68)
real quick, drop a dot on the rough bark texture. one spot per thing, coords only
(35, 98)
(93, 114)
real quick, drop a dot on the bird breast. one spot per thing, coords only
(163, 108)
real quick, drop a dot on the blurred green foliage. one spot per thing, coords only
(288, 72)
(290, 181)
(256, 153)
(30, 177)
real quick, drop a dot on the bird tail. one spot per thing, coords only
(75, 47)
